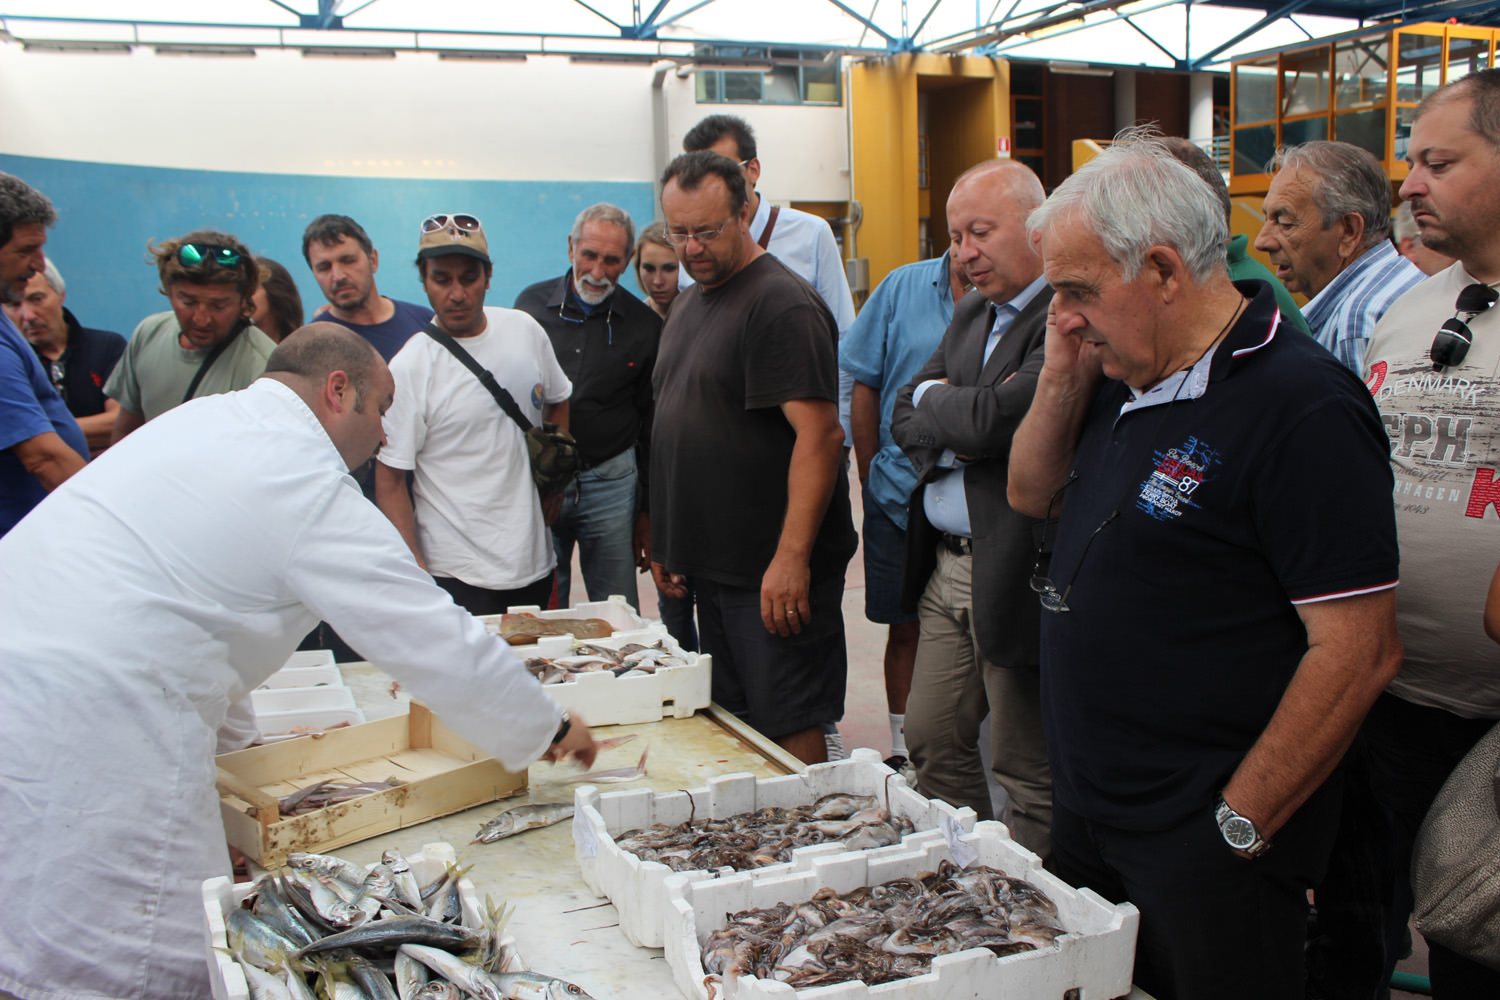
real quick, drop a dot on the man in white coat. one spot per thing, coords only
(193, 556)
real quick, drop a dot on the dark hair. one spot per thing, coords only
(715, 127)
(22, 205)
(1483, 88)
(691, 169)
(317, 350)
(489, 266)
(1200, 163)
(281, 295)
(243, 275)
(329, 229)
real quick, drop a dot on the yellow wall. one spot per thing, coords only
(968, 108)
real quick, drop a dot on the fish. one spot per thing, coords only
(326, 864)
(610, 776)
(610, 742)
(394, 931)
(263, 985)
(411, 976)
(255, 942)
(495, 985)
(370, 979)
(406, 883)
(439, 989)
(519, 629)
(272, 907)
(522, 818)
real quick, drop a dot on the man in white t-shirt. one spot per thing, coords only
(471, 514)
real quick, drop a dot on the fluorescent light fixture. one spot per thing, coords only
(1077, 69)
(488, 55)
(205, 50)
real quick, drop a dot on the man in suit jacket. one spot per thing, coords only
(969, 557)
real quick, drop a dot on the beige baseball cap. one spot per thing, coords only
(455, 232)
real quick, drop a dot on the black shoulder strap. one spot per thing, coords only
(486, 379)
(213, 355)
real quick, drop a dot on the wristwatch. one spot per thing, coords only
(567, 723)
(1239, 832)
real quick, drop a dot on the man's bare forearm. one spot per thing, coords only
(1353, 652)
(1041, 454)
(864, 424)
(394, 501)
(816, 459)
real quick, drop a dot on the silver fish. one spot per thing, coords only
(263, 985)
(523, 818)
(406, 883)
(440, 989)
(411, 976)
(536, 986)
(396, 930)
(612, 775)
(255, 942)
(495, 986)
(327, 864)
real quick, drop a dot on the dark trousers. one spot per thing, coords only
(1412, 750)
(1214, 925)
(479, 601)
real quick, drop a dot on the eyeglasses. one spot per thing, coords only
(1046, 591)
(609, 323)
(55, 373)
(704, 236)
(196, 254)
(1451, 345)
(463, 221)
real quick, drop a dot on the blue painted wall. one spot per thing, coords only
(107, 212)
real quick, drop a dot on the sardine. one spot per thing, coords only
(523, 818)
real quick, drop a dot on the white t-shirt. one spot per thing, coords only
(478, 516)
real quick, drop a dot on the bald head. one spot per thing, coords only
(987, 212)
(342, 379)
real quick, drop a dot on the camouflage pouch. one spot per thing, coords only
(554, 458)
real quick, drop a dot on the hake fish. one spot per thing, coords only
(523, 818)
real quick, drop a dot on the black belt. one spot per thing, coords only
(957, 544)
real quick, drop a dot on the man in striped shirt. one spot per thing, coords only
(1327, 232)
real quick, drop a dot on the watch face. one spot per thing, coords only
(1239, 832)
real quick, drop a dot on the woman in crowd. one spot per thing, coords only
(278, 306)
(656, 268)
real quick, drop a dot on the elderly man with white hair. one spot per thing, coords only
(1219, 607)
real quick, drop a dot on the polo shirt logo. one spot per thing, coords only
(1178, 474)
(536, 396)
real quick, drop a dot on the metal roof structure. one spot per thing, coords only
(1172, 34)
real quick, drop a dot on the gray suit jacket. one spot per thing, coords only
(976, 415)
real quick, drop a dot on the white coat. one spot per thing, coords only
(139, 600)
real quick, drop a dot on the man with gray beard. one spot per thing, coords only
(605, 339)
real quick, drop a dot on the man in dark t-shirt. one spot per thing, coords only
(344, 262)
(747, 497)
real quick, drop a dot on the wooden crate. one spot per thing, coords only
(443, 774)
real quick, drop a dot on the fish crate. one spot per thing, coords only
(616, 611)
(279, 711)
(1092, 960)
(306, 668)
(442, 773)
(638, 888)
(220, 896)
(602, 699)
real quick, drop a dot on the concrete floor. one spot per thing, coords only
(865, 722)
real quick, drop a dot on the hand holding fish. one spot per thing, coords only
(578, 743)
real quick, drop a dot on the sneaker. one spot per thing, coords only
(903, 767)
(835, 744)
(896, 762)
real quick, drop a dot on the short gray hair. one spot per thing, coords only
(1136, 195)
(22, 205)
(53, 276)
(1404, 225)
(605, 212)
(1345, 179)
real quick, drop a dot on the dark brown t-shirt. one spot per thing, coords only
(720, 446)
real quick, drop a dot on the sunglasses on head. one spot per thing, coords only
(194, 254)
(466, 222)
(1451, 345)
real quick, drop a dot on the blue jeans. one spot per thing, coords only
(598, 513)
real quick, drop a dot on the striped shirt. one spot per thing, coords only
(1343, 315)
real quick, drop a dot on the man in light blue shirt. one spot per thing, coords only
(1327, 232)
(896, 332)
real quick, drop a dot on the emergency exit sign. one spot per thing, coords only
(1002, 147)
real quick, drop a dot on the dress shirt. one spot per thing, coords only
(1343, 315)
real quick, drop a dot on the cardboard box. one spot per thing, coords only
(638, 888)
(442, 774)
(221, 895)
(1094, 958)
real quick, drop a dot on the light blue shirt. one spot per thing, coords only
(945, 501)
(896, 332)
(1343, 315)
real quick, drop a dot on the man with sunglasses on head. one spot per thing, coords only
(1219, 607)
(1433, 366)
(605, 339)
(472, 516)
(749, 497)
(344, 261)
(40, 442)
(205, 344)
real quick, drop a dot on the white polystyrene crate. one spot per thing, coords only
(220, 895)
(306, 668)
(637, 888)
(602, 699)
(281, 710)
(1095, 956)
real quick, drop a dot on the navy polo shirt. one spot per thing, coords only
(87, 361)
(1220, 512)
